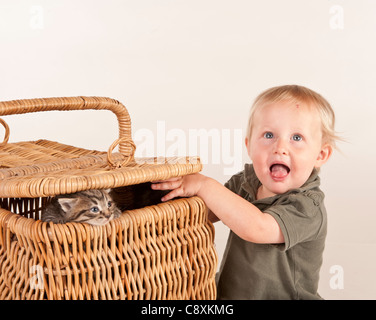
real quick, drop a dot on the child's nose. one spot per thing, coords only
(281, 147)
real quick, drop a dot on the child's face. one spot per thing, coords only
(285, 146)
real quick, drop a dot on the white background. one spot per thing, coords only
(191, 65)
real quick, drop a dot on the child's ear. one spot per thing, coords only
(247, 144)
(67, 203)
(324, 155)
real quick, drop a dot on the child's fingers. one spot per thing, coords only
(173, 194)
(167, 180)
(167, 184)
(168, 196)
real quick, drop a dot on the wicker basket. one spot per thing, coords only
(164, 251)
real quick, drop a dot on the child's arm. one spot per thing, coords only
(243, 218)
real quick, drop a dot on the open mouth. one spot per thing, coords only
(279, 170)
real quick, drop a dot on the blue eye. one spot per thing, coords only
(94, 209)
(109, 204)
(268, 135)
(297, 137)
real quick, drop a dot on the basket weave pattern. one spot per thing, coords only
(159, 252)
(164, 251)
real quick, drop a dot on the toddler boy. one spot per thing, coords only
(274, 207)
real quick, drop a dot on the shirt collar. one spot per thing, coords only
(251, 184)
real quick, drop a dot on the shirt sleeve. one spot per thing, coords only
(300, 217)
(234, 183)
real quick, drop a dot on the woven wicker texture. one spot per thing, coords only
(159, 252)
(164, 251)
(46, 168)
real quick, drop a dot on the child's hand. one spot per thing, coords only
(186, 186)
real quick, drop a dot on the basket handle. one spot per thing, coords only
(76, 103)
(6, 137)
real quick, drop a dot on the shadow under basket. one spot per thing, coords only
(164, 251)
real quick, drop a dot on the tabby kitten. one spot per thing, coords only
(94, 207)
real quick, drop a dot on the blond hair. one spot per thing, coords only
(298, 94)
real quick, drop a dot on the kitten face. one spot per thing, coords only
(94, 207)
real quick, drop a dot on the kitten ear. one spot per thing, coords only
(67, 203)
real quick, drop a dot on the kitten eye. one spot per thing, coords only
(94, 209)
(268, 135)
(297, 137)
(109, 204)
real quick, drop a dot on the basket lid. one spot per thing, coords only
(46, 168)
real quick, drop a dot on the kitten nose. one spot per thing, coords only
(107, 214)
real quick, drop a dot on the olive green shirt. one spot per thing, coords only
(276, 271)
